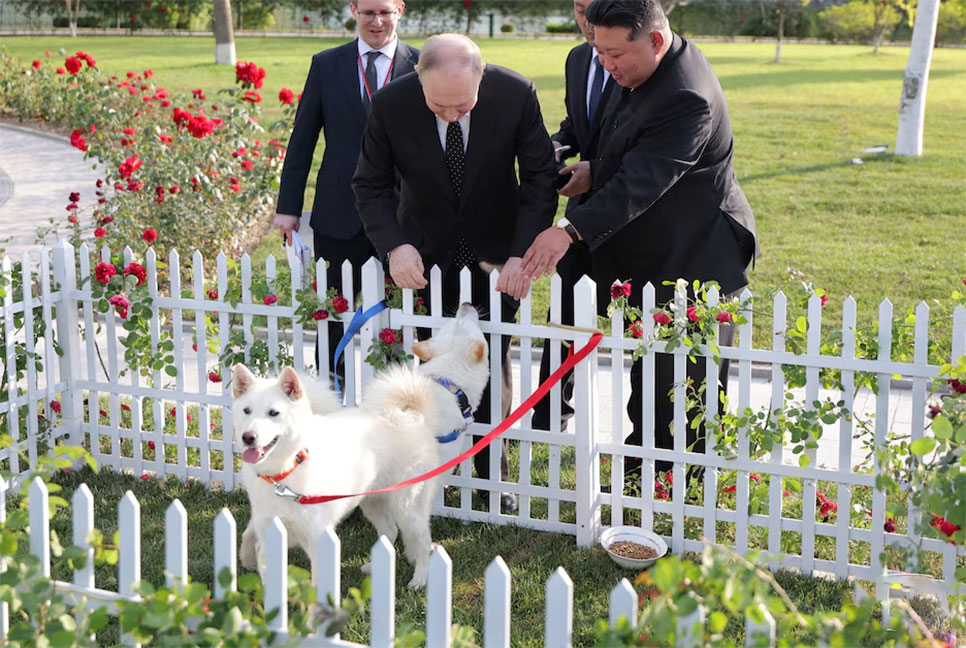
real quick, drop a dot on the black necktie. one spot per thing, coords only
(596, 89)
(371, 81)
(455, 161)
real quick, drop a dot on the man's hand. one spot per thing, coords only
(406, 267)
(512, 280)
(286, 225)
(580, 182)
(557, 155)
(547, 249)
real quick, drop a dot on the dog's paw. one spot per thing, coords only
(418, 581)
(366, 568)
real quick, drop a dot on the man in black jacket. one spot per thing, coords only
(454, 131)
(335, 100)
(588, 88)
(663, 202)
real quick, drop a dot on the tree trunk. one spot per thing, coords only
(224, 34)
(669, 6)
(781, 33)
(72, 17)
(912, 103)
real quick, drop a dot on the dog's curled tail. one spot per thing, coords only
(401, 397)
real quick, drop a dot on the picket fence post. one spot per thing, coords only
(4, 607)
(623, 603)
(559, 613)
(328, 573)
(496, 605)
(226, 552)
(690, 628)
(382, 633)
(40, 523)
(275, 575)
(758, 634)
(439, 600)
(373, 292)
(68, 337)
(586, 434)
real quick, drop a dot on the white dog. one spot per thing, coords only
(298, 441)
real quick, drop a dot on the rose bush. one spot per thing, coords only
(202, 172)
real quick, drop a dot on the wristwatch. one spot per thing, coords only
(566, 226)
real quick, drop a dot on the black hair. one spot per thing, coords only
(640, 16)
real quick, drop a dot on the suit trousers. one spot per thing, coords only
(357, 251)
(480, 298)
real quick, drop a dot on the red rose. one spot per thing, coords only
(305, 18)
(212, 293)
(957, 386)
(252, 97)
(286, 96)
(149, 235)
(165, 139)
(723, 317)
(786, 493)
(636, 329)
(61, 70)
(125, 407)
(129, 166)
(148, 74)
(173, 189)
(269, 300)
(934, 411)
(320, 314)
(73, 64)
(340, 304)
(77, 139)
(741, 21)
(200, 126)
(240, 152)
(120, 304)
(102, 413)
(755, 477)
(692, 313)
(131, 74)
(180, 116)
(730, 489)
(100, 232)
(74, 196)
(662, 318)
(824, 299)
(55, 405)
(247, 165)
(948, 527)
(72, 219)
(388, 335)
(214, 377)
(889, 526)
(36, 65)
(199, 93)
(104, 271)
(137, 271)
(128, 131)
(145, 475)
(467, 3)
(151, 444)
(618, 290)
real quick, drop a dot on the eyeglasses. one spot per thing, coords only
(369, 16)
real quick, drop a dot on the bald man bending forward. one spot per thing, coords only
(482, 216)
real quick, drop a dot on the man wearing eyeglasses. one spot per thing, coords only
(336, 100)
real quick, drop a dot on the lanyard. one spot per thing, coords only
(365, 81)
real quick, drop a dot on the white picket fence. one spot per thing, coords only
(558, 624)
(88, 373)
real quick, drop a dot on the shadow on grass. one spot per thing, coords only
(817, 168)
(778, 76)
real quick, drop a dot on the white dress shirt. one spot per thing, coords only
(442, 125)
(382, 63)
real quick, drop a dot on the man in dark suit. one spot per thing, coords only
(336, 99)
(663, 201)
(588, 88)
(454, 132)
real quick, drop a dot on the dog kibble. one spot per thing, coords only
(633, 550)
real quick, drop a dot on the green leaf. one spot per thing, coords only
(803, 460)
(171, 370)
(942, 428)
(922, 446)
(717, 622)
(233, 621)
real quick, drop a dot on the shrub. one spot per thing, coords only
(856, 21)
(201, 172)
(562, 28)
(507, 28)
(350, 25)
(952, 23)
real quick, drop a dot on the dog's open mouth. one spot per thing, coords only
(254, 455)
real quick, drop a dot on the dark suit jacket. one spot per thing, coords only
(498, 216)
(331, 101)
(575, 129)
(665, 202)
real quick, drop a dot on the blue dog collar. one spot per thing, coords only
(465, 408)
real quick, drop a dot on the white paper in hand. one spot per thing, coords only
(300, 251)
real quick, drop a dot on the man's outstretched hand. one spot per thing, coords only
(406, 267)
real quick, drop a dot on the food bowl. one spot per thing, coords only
(635, 535)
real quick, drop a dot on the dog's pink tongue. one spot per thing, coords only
(252, 455)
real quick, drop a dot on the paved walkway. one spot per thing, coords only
(38, 171)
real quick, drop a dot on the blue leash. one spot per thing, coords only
(358, 320)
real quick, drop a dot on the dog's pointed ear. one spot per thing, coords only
(241, 380)
(290, 383)
(423, 350)
(478, 351)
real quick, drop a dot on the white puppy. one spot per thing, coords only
(299, 443)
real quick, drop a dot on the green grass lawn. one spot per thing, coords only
(891, 228)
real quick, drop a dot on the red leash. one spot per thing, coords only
(555, 377)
